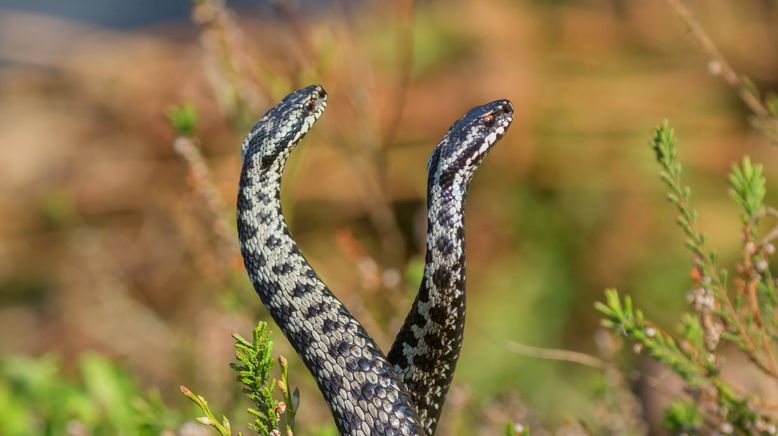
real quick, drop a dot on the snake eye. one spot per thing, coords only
(488, 120)
(308, 105)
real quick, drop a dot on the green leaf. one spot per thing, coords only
(747, 184)
(682, 417)
(109, 388)
(771, 101)
(183, 119)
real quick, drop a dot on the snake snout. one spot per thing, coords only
(506, 107)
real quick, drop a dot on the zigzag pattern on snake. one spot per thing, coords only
(364, 392)
(426, 350)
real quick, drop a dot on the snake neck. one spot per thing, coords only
(426, 350)
(363, 392)
(270, 255)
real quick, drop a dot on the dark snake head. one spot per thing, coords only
(467, 142)
(282, 127)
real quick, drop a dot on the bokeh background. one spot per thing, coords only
(119, 274)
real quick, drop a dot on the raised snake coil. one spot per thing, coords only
(365, 392)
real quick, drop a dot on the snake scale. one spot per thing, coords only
(367, 392)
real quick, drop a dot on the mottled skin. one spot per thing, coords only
(426, 350)
(364, 393)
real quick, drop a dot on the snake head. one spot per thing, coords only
(282, 127)
(467, 142)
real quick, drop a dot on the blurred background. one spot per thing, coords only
(120, 277)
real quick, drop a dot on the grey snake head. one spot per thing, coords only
(467, 142)
(285, 124)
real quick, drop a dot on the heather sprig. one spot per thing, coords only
(743, 315)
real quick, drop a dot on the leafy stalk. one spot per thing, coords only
(253, 369)
(718, 315)
(223, 428)
(255, 362)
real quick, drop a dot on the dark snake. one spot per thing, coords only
(367, 393)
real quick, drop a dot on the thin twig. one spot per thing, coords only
(773, 233)
(548, 353)
(752, 275)
(290, 15)
(707, 45)
(227, 63)
(203, 184)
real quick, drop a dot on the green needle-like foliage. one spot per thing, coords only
(664, 145)
(744, 316)
(183, 119)
(624, 320)
(748, 187)
(253, 368)
(255, 362)
(682, 417)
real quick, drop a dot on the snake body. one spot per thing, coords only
(367, 393)
(364, 393)
(426, 350)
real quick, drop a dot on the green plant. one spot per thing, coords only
(516, 429)
(222, 426)
(682, 417)
(743, 316)
(36, 398)
(763, 107)
(253, 369)
(255, 362)
(183, 119)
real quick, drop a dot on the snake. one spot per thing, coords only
(367, 392)
(426, 349)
